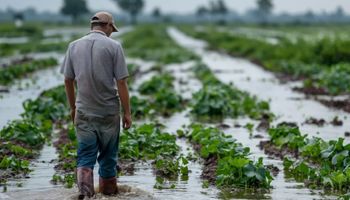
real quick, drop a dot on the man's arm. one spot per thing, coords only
(124, 98)
(69, 85)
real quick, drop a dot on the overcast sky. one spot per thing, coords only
(186, 6)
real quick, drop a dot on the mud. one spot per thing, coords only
(126, 167)
(273, 169)
(264, 124)
(336, 121)
(311, 90)
(314, 121)
(272, 150)
(223, 126)
(337, 104)
(209, 169)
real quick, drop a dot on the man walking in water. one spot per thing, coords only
(97, 64)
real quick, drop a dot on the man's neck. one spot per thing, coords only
(98, 31)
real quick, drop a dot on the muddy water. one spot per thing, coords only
(285, 103)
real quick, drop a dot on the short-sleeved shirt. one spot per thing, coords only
(95, 62)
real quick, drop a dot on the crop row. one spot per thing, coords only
(219, 100)
(226, 160)
(11, 72)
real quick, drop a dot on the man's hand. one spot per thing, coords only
(124, 98)
(72, 115)
(127, 121)
(69, 85)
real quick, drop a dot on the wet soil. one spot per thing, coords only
(311, 90)
(272, 150)
(337, 122)
(337, 104)
(209, 169)
(264, 124)
(273, 169)
(315, 121)
(209, 165)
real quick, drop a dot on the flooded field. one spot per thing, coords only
(202, 115)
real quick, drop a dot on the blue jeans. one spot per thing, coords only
(98, 138)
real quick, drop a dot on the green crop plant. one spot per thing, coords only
(234, 168)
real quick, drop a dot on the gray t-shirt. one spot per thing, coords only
(96, 61)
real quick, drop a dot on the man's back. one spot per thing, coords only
(95, 61)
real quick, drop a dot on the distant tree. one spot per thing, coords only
(221, 7)
(133, 7)
(218, 7)
(264, 9)
(265, 6)
(74, 8)
(156, 13)
(339, 12)
(212, 7)
(202, 10)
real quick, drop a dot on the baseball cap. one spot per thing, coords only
(104, 17)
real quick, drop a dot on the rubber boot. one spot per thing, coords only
(85, 182)
(108, 186)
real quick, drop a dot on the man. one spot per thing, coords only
(96, 63)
